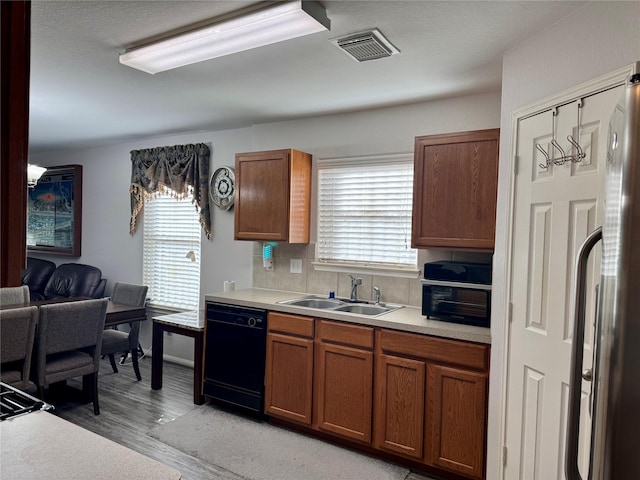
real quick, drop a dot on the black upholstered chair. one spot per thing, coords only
(73, 280)
(117, 341)
(68, 345)
(14, 295)
(36, 276)
(17, 334)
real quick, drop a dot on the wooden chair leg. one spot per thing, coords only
(113, 363)
(134, 359)
(87, 388)
(94, 388)
(41, 392)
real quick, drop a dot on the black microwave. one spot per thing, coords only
(457, 292)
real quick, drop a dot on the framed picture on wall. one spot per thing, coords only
(54, 212)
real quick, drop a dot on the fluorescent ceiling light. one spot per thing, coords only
(255, 28)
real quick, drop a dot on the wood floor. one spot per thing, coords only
(130, 409)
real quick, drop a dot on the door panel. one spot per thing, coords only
(399, 419)
(555, 207)
(345, 391)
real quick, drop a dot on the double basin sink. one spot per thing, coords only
(360, 307)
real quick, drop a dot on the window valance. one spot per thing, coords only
(180, 170)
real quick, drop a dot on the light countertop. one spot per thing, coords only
(41, 445)
(191, 320)
(407, 319)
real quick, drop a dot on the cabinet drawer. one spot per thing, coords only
(336, 332)
(291, 324)
(468, 354)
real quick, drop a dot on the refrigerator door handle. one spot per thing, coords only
(573, 428)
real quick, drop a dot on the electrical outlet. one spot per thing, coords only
(295, 265)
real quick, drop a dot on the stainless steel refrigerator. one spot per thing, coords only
(615, 378)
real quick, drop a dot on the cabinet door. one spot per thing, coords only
(456, 413)
(262, 196)
(289, 377)
(455, 189)
(399, 415)
(344, 390)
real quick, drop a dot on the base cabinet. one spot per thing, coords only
(456, 418)
(419, 398)
(345, 391)
(399, 420)
(431, 400)
(289, 367)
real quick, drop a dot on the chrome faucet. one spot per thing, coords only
(376, 292)
(354, 287)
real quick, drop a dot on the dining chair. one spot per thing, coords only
(14, 295)
(118, 341)
(68, 345)
(17, 334)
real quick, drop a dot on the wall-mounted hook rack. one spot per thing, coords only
(563, 158)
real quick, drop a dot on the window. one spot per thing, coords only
(364, 214)
(171, 252)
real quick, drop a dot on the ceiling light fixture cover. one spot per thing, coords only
(251, 29)
(363, 46)
(34, 172)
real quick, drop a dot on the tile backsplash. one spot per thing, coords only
(405, 291)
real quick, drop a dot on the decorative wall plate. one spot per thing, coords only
(222, 187)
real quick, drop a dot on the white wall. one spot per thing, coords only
(106, 210)
(106, 242)
(596, 39)
(379, 131)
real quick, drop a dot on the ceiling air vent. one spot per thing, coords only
(364, 46)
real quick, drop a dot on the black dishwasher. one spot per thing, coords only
(235, 355)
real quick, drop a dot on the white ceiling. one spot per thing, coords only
(82, 96)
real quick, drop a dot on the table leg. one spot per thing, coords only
(157, 348)
(198, 397)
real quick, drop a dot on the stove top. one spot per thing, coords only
(15, 402)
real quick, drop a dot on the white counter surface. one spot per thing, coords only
(40, 445)
(407, 319)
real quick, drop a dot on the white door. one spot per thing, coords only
(555, 208)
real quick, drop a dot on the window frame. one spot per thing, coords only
(194, 245)
(362, 267)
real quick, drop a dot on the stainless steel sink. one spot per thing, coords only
(363, 309)
(341, 305)
(314, 302)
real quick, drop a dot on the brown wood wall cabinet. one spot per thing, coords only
(273, 196)
(414, 397)
(455, 189)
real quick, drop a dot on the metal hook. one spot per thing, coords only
(554, 144)
(563, 156)
(580, 155)
(546, 156)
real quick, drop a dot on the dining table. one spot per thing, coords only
(117, 313)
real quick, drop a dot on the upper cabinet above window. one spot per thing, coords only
(273, 196)
(455, 189)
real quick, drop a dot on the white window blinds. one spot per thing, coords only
(364, 213)
(171, 262)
